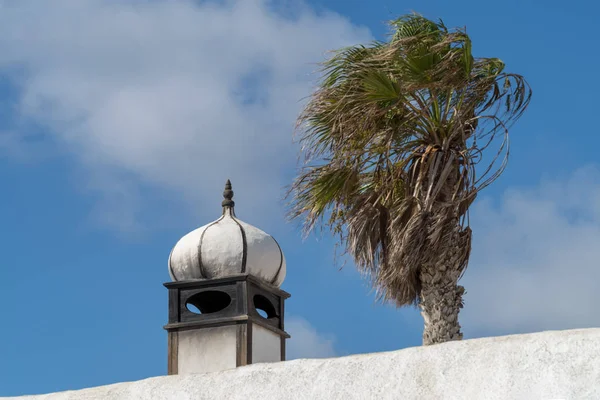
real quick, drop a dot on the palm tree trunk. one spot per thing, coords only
(440, 301)
(440, 297)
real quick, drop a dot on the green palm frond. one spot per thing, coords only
(379, 86)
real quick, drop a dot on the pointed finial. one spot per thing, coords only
(228, 196)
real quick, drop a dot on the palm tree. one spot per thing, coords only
(393, 138)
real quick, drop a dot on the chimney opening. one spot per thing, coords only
(208, 302)
(264, 307)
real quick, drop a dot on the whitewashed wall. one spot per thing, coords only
(548, 365)
(208, 350)
(266, 345)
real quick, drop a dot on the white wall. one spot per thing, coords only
(207, 350)
(266, 345)
(541, 366)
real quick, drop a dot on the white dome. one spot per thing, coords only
(227, 247)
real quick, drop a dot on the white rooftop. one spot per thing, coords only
(539, 366)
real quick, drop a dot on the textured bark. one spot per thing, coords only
(440, 297)
(440, 300)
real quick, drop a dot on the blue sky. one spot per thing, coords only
(121, 121)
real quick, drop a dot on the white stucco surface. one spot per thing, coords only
(266, 345)
(220, 245)
(207, 350)
(547, 365)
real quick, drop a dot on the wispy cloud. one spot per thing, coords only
(178, 94)
(306, 341)
(536, 258)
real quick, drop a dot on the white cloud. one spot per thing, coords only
(178, 94)
(536, 259)
(306, 342)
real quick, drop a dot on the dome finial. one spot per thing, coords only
(228, 196)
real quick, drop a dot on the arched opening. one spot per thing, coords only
(264, 307)
(208, 302)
